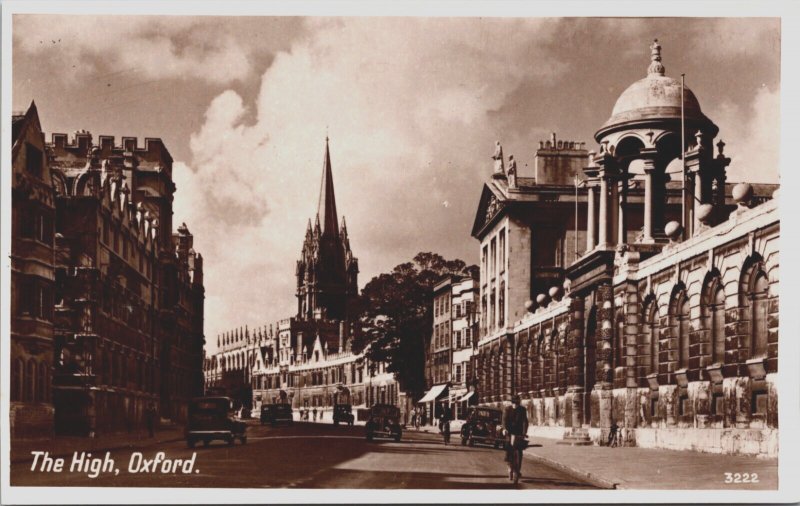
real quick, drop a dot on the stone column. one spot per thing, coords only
(649, 195)
(590, 219)
(613, 184)
(698, 201)
(603, 224)
(575, 347)
(621, 217)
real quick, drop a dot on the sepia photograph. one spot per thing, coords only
(332, 254)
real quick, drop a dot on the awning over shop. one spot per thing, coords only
(434, 393)
(466, 396)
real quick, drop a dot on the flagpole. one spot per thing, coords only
(683, 161)
(576, 216)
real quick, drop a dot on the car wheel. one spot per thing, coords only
(230, 440)
(369, 436)
(397, 437)
(190, 443)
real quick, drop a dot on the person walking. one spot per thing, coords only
(446, 430)
(314, 411)
(150, 418)
(515, 424)
(413, 417)
(613, 435)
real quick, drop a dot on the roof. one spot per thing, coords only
(655, 97)
(326, 209)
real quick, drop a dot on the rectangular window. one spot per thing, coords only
(502, 251)
(458, 379)
(33, 160)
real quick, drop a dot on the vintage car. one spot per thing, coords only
(343, 413)
(274, 414)
(384, 421)
(483, 425)
(266, 413)
(213, 418)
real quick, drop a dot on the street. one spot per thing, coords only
(308, 455)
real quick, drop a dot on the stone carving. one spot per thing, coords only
(512, 172)
(498, 160)
(492, 208)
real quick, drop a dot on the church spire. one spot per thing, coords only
(326, 209)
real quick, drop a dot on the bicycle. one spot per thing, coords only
(516, 445)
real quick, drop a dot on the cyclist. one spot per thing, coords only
(515, 423)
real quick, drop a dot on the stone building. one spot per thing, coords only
(450, 348)
(127, 303)
(667, 323)
(32, 279)
(307, 359)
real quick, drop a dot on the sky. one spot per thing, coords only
(412, 106)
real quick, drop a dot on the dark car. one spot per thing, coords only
(483, 425)
(384, 421)
(343, 413)
(274, 414)
(266, 413)
(213, 418)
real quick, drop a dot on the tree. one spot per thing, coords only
(397, 315)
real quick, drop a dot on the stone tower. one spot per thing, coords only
(327, 272)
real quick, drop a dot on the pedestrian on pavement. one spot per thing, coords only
(515, 423)
(446, 430)
(613, 434)
(413, 417)
(150, 418)
(315, 413)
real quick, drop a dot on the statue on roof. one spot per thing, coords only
(498, 161)
(511, 174)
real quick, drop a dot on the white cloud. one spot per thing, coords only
(752, 136)
(157, 47)
(406, 111)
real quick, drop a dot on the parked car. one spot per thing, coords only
(343, 413)
(384, 421)
(274, 414)
(266, 413)
(483, 425)
(213, 418)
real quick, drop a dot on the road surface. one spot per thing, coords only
(312, 455)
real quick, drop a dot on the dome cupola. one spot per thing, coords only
(654, 100)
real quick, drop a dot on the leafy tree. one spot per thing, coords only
(397, 315)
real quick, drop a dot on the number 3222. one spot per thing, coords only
(741, 478)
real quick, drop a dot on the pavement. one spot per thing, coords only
(304, 455)
(647, 468)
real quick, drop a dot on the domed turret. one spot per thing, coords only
(654, 99)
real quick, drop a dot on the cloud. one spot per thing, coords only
(158, 47)
(407, 116)
(751, 132)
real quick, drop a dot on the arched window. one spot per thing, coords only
(759, 304)
(717, 324)
(42, 383)
(680, 323)
(17, 380)
(619, 341)
(653, 339)
(30, 381)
